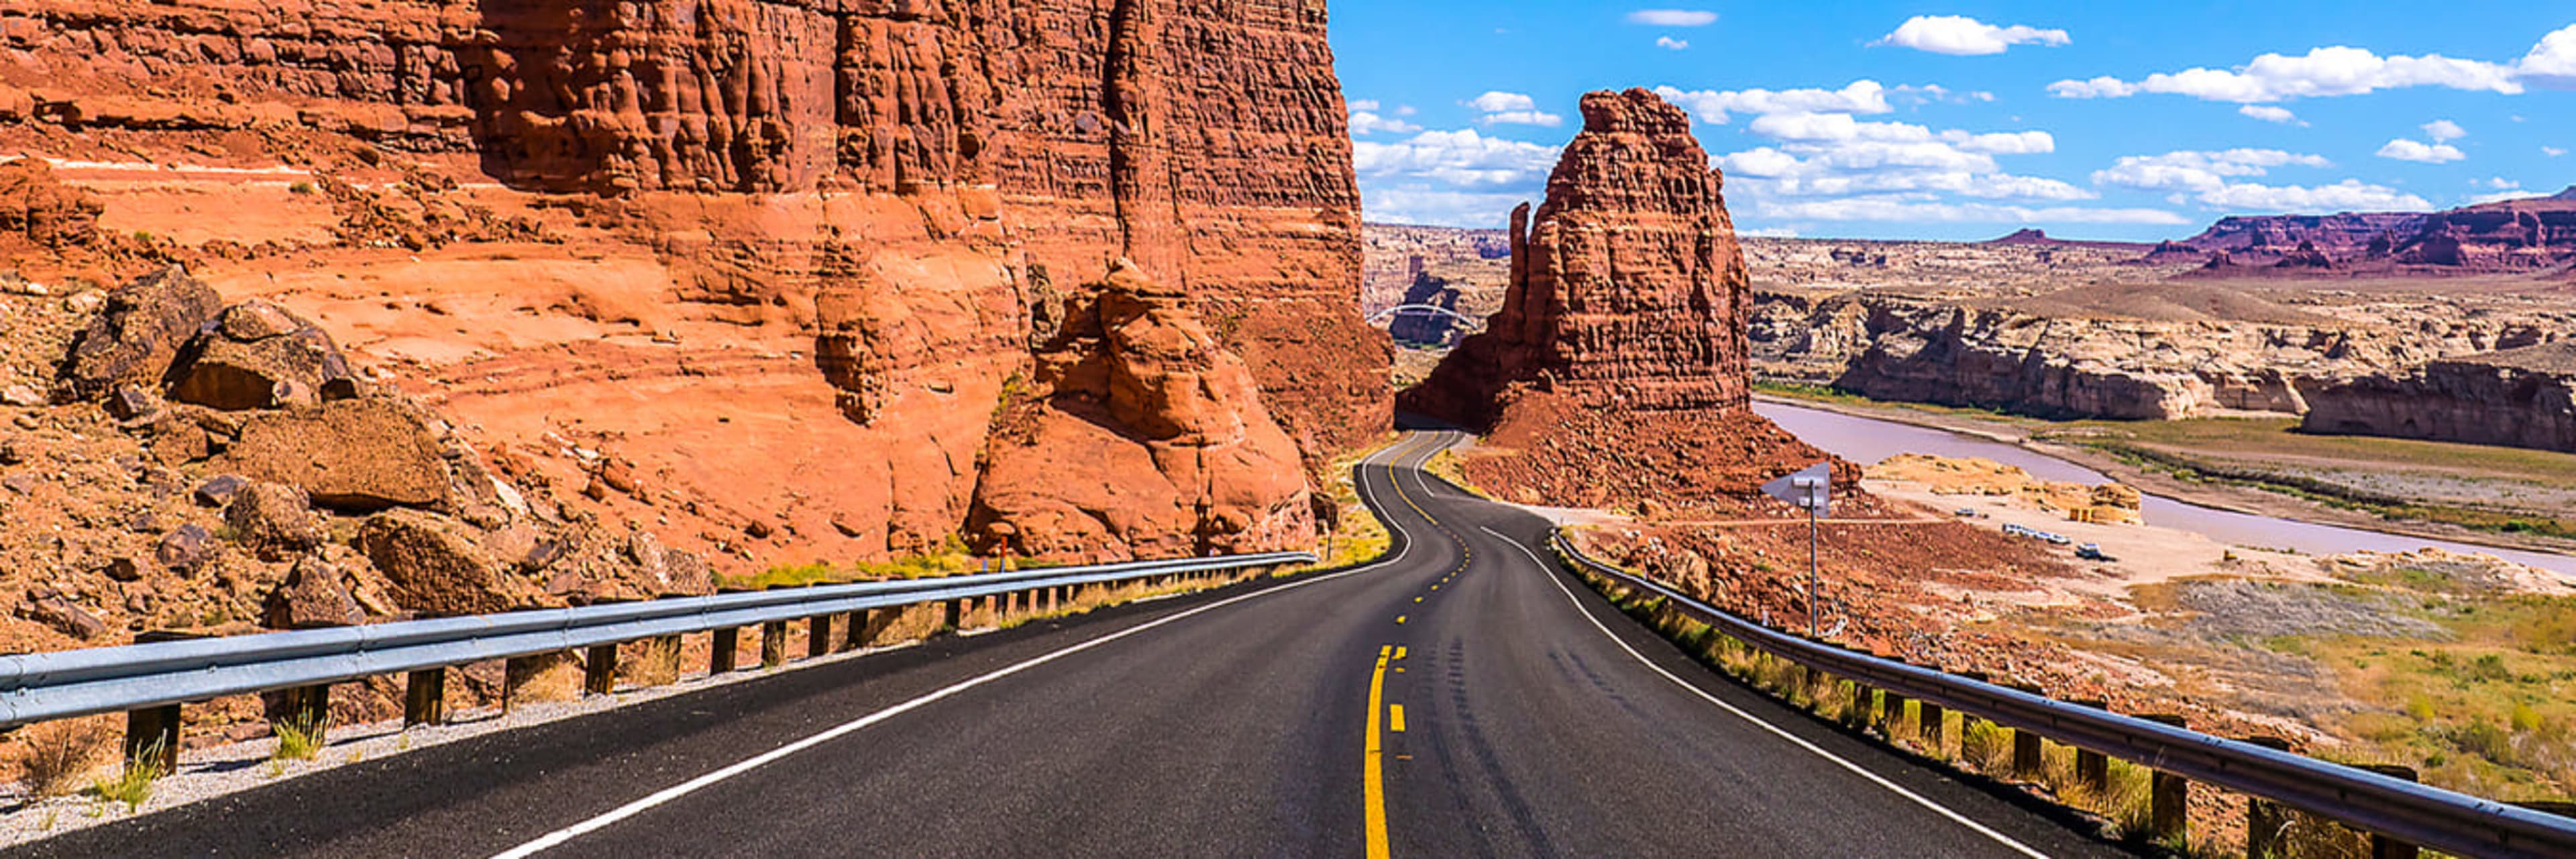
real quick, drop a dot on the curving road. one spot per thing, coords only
(1460, 698)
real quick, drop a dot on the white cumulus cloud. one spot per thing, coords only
(1861, 96)
(2212, 179)
(2444, 131)
(2331, 71)
(2552, 63)
(1673, 17)
(1908, 208)
(1511, 108)
(1959, 35)
(2422, 153)
(1671, 44)
(2269, 113)
(2552, 151)
(1370, 122)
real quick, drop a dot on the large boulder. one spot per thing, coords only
(275, 520)
(261, 356)
(315, 595)
(356, 455)
(438, 566)
(139, 333)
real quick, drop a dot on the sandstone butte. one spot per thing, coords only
(775, 281)
(1616, 371)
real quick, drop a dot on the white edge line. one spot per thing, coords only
(1801, 742)
(560, 836)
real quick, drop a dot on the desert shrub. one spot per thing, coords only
(60, 753)
(296, 740)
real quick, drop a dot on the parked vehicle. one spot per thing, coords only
(2092, 552)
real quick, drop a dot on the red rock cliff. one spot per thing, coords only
(847, 228)
(1627, 290)
(1616, 371)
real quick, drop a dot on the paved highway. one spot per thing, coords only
(1461, 698)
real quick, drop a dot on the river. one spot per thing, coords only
(1868, 441)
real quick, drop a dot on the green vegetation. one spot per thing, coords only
(300, 188)
(2489, 709)
(951, 559)
(296, 740)
(132, 784)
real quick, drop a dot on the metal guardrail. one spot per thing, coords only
(38, 687)
(2431, 817)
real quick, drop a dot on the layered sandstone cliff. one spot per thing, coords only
(1627, 287)
(779, 261)
(2518, 398)
(1616, 370)
(2521, 235)
(2149, 352)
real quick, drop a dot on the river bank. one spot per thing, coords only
(2215, 495)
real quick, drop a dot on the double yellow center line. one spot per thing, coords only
(1373, 762)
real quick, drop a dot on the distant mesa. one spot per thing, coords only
(2025, 236)
(2526, 235)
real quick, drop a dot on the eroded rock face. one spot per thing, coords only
(1144, 437)
(1617, 371)
(1628, 289)
(50, 214)
(2518, 398)
(139, 333)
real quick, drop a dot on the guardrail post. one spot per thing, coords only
(854, 630)
(307, 708)
(954, 615)
(2027, 751)
(2091, 768)
(2381, 846)
(818, 636)
(1858, 714)
(2168, 795)
(1891, 711)
(425, 697)
(599, 670)
(773, 644)
(1055, 599)
(152, 739)
(2267, 824)
(1930, 725)
(720, 649)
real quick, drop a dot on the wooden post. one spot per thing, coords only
(2168, 795)
(1891, 710)
(2381, 846)
(854, 634)
(1858, 715)
(306, 708)
(2027, 752)
(1930, 725)
(818, 636)
(720, 650)
(2267, 824)
(599, 670)
(1055, 599)
(2091, 768)
(425, 697)
(954, 618)
(152, 739)
(773, 644)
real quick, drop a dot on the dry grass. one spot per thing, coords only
(296, 740)
(57, 756)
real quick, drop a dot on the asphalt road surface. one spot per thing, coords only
(1460, 698)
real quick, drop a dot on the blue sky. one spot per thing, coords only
(1966, 120)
